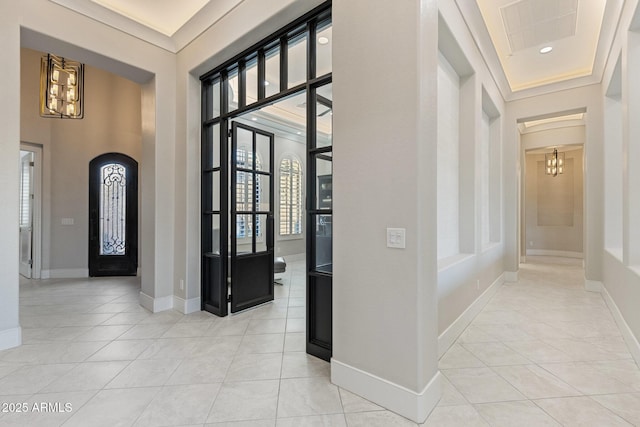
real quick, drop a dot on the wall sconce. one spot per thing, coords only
(554, 163)
(61, 88)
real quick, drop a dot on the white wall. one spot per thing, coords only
(613, 172)
(384, 300)
(111, 124)
(621, 95)
(10, 333)
(467, 280)
(448, 154)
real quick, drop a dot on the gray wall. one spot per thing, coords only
(554, 205)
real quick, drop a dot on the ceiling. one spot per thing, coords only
(509, 34)
(520, 29)
(159, 15)
(169, 24)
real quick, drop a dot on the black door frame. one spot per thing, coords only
(251, 275)
(217, 114)
(113, 265)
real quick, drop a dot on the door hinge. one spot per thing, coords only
(32, 164)
(228, 298)
(30, 262)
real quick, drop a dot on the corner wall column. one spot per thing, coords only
(385, 323)
(10, 332)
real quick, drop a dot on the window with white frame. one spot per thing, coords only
(290, 196)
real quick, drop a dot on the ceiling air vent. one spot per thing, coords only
(530, 23)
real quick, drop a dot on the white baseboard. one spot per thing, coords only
(451, 334)
(511, 276)
(549, 252)
(155, 305)
(625, 330)
(10, 338)
(593, 285)
(187, 306)
(408, 403)
(65, 273)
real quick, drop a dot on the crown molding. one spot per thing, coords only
(211, 13)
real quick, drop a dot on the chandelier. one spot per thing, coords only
(61, 88)
(554, 163)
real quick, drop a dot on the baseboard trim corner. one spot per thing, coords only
(10, 338)
(187, 306)
(408, 403)
(451, 334)
(155, 305)
(625, 330)
(593, 285)
(511, 276)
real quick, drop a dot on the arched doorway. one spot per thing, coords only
(113, 215)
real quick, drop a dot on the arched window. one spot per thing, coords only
(290, 196)
(244, 190)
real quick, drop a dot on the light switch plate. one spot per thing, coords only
(68, 221)
(396, 238)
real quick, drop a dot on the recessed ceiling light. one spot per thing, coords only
(323, 40)
(546, 49)
(254, 119)
(266, 83)
(299, 133)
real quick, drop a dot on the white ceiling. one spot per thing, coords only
(509, 34)
(519, 29)
(169, 24)
(160, 15)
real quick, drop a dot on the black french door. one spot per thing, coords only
(251, 221)
(113, 215)
(238, 230)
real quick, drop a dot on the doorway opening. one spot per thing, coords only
(30, 219)
(552, 223)
(254, 197)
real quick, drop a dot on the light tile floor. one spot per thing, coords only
(542, 352)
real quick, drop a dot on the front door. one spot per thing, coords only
(26, 213)
(251, 222)
(113, 215)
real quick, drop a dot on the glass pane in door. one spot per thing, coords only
(324, 116)
(263, 144)
(324, 181)
(113, 179)
(323, 244)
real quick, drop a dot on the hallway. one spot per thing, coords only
(542, 352)
(545, 351)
